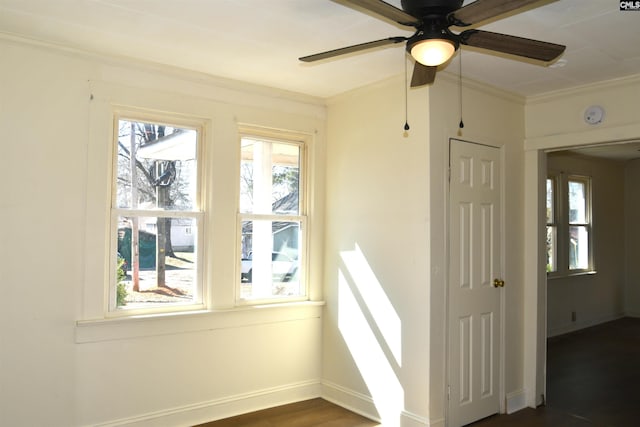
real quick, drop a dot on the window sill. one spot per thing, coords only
(551, 276)
(92, 331)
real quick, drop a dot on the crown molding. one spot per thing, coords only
(584, 89)
(109, 59)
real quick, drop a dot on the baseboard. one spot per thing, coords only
(576, 326)
(364, 405)
(222, 408)
(516, 401)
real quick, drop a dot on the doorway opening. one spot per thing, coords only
(548, 314)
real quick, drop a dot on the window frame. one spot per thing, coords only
(563, 224)
(218, 173)
(554, 224)
(302, 141)
(586, 181)
(198, 213)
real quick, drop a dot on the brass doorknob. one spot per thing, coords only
(497, 283)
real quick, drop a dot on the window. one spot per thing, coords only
(155, 200)
(272, 218)
(552, 224)
(579, 247)
(568, 231)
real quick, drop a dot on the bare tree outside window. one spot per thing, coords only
(155, 203)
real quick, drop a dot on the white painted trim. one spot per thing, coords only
(349, 399)
(216, 87)
(534, 281)
(581, 90)
(91, 331)
(604, 135)
(440, 422)
(364, 405)
(409, 419)
(222, 408)
(442, 75)
(515, 401)
(535, 292)
(482, 87)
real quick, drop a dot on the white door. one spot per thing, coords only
(475, 282)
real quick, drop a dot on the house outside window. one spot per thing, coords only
(272, 220)
(569, 225)
(155, 199)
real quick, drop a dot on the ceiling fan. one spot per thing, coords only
(433, 43)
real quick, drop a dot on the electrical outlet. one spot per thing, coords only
(573, 316)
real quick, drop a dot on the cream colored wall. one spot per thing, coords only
(553, 121)
(557, 119)
(598, 297)
(376, 274)
(388, 198)
(632, 238)
(177, 371)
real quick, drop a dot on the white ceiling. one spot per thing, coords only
(259, 41)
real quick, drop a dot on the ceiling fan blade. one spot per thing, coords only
(388, 11)
(481, 10)
(423, 75)
(351, 49)
(519, 46)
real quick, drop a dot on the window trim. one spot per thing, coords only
(555, 223)
(586, 180)
(107, 100)
(303, 141)
(218, 165)
(198, 213)
(561, 211)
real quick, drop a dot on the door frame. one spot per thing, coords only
(501, 328)
(535, 276)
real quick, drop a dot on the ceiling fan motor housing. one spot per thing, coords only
(433, 27)
(421, 8)
(444, 35)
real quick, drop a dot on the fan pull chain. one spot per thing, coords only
(406, 102)
(461, 125)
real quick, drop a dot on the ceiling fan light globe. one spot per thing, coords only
(433, 52)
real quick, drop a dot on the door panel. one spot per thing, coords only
(474, 264)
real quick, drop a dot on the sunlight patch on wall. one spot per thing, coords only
(374, 364)
(376, 301)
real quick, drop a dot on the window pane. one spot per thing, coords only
(161, 174)
(550, 201)
(269, 177)
(551, 248)
(577, 202)
(163, 268)
(578, 248)
(270, 259)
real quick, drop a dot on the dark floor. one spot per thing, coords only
(592, 380)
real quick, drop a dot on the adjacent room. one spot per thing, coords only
(214, 208)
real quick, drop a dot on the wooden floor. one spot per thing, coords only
(309, 413)
(593, 378)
